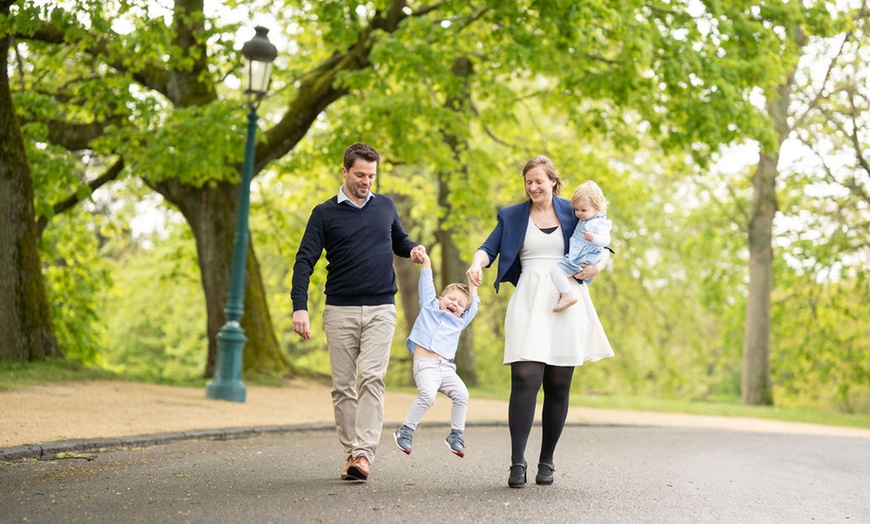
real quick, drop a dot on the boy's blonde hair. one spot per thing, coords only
(462, 288)
(590, 190)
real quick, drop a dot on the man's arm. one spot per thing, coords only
(310, 249)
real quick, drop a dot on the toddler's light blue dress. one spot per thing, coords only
(582, 251)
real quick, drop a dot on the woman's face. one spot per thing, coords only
(539, 187)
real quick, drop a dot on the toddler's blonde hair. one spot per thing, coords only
(462, 288)
(591, 191)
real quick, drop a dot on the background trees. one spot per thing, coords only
(457, 95)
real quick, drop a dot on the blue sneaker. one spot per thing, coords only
(455, 443)
(403, 437)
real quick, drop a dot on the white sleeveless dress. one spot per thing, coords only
(533, 332)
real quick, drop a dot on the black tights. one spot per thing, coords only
(526, 379)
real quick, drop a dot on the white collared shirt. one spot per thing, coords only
(342, 197)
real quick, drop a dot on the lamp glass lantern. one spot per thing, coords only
(259, 54)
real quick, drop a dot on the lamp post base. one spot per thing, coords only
(227, 382)
(226, 391)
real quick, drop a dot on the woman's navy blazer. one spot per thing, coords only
(510, 232)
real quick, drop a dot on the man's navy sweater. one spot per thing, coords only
(359, 244)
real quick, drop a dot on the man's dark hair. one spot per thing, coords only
(360, 150)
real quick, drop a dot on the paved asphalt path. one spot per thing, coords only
(604, 474)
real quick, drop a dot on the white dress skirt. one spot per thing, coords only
(533, 332)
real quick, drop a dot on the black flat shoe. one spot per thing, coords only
(517, 478)
(545, 474)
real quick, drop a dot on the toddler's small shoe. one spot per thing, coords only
(455, 443)
(566, 300)
(402, 438)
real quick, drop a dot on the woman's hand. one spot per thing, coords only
(474, 275)
(590, 270)
(587, 272)
(475, 271)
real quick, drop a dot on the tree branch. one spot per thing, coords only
(148, 74)
(318, 89)
(109, 175)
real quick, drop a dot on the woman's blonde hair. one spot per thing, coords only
(591, 191)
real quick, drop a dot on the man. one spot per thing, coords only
(360, 231)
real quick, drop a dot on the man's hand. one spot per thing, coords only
(417, 254)
(301, 324)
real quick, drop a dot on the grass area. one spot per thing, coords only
(17, 375)
(716, 409)
(723, 409)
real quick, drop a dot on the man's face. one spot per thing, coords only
(454, 303)
(358, 179)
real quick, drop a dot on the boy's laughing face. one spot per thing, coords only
(454, 303)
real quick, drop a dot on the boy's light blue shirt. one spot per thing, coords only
(436, 329)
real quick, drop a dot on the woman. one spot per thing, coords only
(541, 346)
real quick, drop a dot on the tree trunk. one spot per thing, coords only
(26, 328)
(407, 278)
(210, 211)
(453, 270)
(262, 351)
(407, 273)
(452, 266)
(757, 386)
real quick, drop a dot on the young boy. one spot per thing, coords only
(433, 342)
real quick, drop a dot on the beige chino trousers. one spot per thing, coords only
(359, 339)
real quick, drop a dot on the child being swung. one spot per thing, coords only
(433, 341)
(588, 241)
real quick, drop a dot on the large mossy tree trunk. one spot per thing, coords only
(210, 211)
(26, 331)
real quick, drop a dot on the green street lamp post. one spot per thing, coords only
(226, 384)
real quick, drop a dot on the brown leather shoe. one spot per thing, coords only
(344, 471)
(358, 469)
